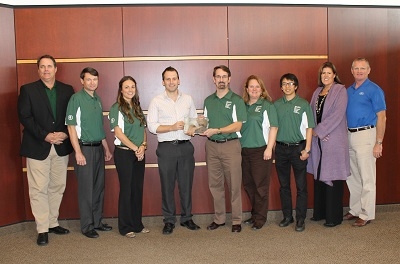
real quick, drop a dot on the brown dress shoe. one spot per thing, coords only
(349, 216)
(360, 222)
(257, 226)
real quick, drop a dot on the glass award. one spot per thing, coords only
(200, 124)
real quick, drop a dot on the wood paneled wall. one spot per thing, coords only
(265, 40)
(11, 186)
(373, 33)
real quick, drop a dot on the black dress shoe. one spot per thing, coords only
(331, 224)
(103, 227)
(236, 228)
(58, 230)
(168, 228)
(286, 221)
(214, 226)
(249, 221)
(91, 234)
(300, 225)
(42, 239)
(189, 224)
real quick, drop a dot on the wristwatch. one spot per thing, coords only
(144, 144)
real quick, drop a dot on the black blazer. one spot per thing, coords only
(35, 114)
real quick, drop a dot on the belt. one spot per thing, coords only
(90, 144)
(122, 147)
(351, 130)
(290, 144)
(175, 142)
(221, 140)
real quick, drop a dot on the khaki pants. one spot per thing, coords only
(362, 181)
(46, 180)
(224, 166)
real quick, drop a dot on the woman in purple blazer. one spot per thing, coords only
(329, 160)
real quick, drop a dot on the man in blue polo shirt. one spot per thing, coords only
(366, 119)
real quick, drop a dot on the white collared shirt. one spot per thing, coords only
(165, 111)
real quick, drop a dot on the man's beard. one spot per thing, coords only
(221, 85)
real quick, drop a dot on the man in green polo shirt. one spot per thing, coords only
(226, 113)
(293, 144)
(85, 126)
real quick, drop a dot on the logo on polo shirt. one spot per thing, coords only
(70, 117)
(228, 104)
(296, 109)
(112, 120)
(361, 93)
(258, 109)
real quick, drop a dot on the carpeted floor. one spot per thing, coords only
(378, 242)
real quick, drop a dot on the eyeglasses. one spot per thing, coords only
(224, 77)
(290, 84)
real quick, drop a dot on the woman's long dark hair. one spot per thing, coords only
(125, 107)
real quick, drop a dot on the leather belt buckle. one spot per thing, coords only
(90, 144)
(290, 144)
(356, 129)
(122, 147)
(221, 140)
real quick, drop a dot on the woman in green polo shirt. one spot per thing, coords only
(128, 123)
(258, 139)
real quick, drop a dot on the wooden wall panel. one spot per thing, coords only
(267, 30)
(109, 75)
(11, 191)
(175, 30)
(68, 32)
(272, 70)
(372, 33)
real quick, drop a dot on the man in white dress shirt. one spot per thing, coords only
(175, 152)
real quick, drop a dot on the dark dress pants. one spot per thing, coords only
(91, 187)
(328, 201)
(286, 158)
(176, 164)
(131, 179)
(256, 173)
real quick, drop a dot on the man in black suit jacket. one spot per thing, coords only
(45, 144)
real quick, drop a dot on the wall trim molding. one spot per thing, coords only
(182, 58)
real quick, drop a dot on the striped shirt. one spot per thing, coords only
(165, 111)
